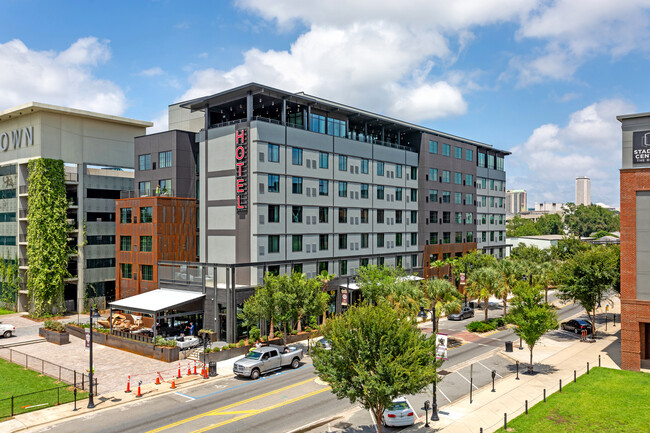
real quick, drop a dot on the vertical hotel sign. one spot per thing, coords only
(241, 170)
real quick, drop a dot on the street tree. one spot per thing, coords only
(378, 353)
(266, 302)
(584, 220)
(531, 317)
(550, 224)
(470, 262)
(442, 297)
(589, 277)
(530, 253)
(405, 295)
(568, 247)
(484, 283)
(377, 282)
(325, 277)
(518, 226)
(510, 273)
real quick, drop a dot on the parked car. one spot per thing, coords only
(464, 313)
(399, 414)
(577, 326)
(266, 359)
(324, 343)
(7, 330)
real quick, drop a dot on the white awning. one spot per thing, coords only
(410, 278)
(156, 300)
(350, 286)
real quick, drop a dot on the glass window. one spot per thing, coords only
(274, 153)
(336, 127)
(343, 267)
(296, 214)
(274, 183)
(469, 218)
(343, 163)
(364, 240)
(433, 195)
(146, 244)
(414, 238)
(297, 268)
(323, 242)
(469, 154)
(484, 237)
(296, 185)
(127, 270)
(380, 240)
(458, 217)
(343, 189)
(164, 161)
(317, 123)
(433, 217)
(364, 166)
(446, 197)
(414, 195)
(323, 187)
(165, 187)
(343, 242)
(274, 213)
(398, 194)
(398, 217)
(446, 175)
(398, 171)
(380, 216)
(323, 160)
(146, 272)
(364, 190)
(433, 146)
(458, 178)
(145, 188)
(458, 198)
(398, 239)
(500, 163)
(469, 180)
(144, 162)
(490, 163)
(433, 238)
(459, 237)
(380, 261)
(146, 215)
(469, 237)
(414, 217)
(380, 168)
(414, 173)
(446, 217)
(125, 215)
(296, 243)
(274, 243)
(364, 216)
(323, 214)
(469, 199)
(446, 237)
(343, 215)
(125, 243)
(446, 149)
(481, 159)
(458, 152)
(380, 192)
(433, 174)
(296, 156)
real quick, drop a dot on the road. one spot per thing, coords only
(291, 399)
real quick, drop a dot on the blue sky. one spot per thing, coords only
(543, 79)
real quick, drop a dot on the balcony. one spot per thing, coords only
(169, 192)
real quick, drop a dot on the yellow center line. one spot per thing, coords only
(275, 406)
(216, 411)
(235, 412)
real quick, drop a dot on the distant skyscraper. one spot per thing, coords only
(583, 191)
(515, 201)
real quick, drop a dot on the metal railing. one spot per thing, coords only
(153, 192)
(131, 336)
(23, 403)
(47, 368)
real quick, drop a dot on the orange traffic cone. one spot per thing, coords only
(158, 379)
(179, 370)
(194, 367)
(203, 370)
(139, 393)
(128, 385)
(173, 383)
(206, 374)
(189, 370)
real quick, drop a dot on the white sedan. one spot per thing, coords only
(7, 330)
(399, 413)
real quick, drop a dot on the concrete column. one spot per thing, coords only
(308, 117)
(81, 278)
(249, 106)
(284, 111)
(229, 313)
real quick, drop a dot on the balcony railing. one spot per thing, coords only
(71, 177)
(162, 192)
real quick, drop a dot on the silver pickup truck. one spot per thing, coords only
(267, 358)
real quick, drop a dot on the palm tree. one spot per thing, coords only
(483, 283)
(510, 273)
(443, 296)
(548, 277)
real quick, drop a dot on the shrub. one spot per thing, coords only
(264, 338)
(160, 341)
(208, 350)
(254, 334)
(241, 343)
(478, 326)
(313, 322)
(279, 335)
(307, 329)
(54, 325)
(232, 345)
(251, 341)
(294, 332)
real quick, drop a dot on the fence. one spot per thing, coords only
(55, 371)
(17, 404)
(132, 336)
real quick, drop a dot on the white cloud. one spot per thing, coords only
(160, 122)
(63, 78)
(152, 72)
(547, 164)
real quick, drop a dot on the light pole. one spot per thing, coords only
(434, 406)
(93, 315)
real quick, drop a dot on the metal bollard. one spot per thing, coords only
(75, 400)
(517, 371)
(575, 377)
(505, 421)
(560, 385)
(526, 407)
(587, 368)
(614, 314)
(599, 360)
(544, 395)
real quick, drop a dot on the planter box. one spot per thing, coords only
(54, 336)
(167, 354)
(224, 354)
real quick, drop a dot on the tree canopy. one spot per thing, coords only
(377, 354)
(584, 220)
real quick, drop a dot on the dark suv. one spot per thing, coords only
(577, 326)
(464, 313)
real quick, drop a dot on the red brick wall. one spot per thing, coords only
(634, 313)
(173, 232)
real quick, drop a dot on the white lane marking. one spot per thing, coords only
(374, 421)
(476, 387)
(490, 370)
(186, 396)
(443, 394)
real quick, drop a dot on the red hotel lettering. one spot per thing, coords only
(240, 136)
(240, 186)
(240, 153)
(239, 166)
(241, 173)
(239, 206)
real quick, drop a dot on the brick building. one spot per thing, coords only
(635, 242)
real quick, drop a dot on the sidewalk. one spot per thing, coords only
(553, 361)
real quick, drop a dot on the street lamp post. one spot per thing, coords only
(93, 315)
(434, 406)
